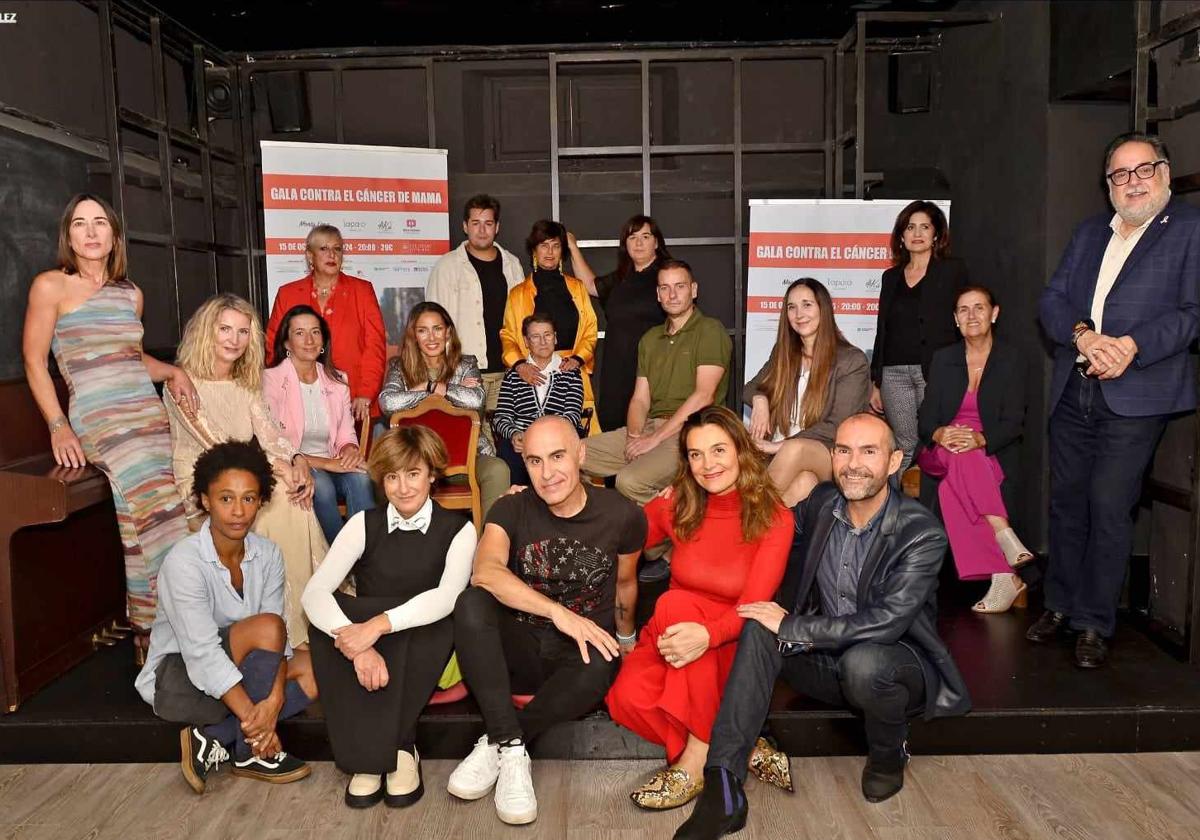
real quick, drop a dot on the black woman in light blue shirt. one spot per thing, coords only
(219, 661)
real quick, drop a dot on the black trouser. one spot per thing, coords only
(883, 682)
(500, 656)
(1097, 459)
(366, 728)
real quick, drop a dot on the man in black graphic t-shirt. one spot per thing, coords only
(555, 574)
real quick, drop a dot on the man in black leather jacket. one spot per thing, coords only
(854, 624)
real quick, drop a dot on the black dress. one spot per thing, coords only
(367, 727)
(630, 308)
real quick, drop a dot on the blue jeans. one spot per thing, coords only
(1097, 459)
(356, 488)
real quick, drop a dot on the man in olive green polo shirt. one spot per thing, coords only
(683, 366)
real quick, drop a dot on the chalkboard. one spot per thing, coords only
(37, 179)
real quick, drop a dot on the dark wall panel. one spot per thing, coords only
(36, 179)
(49, 64)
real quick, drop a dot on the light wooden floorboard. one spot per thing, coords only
(1068, 797)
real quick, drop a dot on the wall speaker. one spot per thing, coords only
(218, 92)
(287, 100)
(910, 82)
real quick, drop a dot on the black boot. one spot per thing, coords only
(721, 809)
(883, 776)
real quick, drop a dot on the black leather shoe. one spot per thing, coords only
(884, 779)
(1047, 627)
(1090, 649)
(721, 809)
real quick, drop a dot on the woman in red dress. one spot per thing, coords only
(731, 537)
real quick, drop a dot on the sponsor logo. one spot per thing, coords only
(873, 284)
(411, 223)
(8, 17)
(305, 223)
(838, 284)
(354, 224)
(384, 224)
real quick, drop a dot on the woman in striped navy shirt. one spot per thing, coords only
(556, 391)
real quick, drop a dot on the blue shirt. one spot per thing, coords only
(842, 562)
(196, 598)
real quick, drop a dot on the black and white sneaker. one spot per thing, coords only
(278, 769)
(199, 755)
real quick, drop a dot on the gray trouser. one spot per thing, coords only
(902, 388)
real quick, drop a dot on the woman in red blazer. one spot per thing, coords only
(351, 308)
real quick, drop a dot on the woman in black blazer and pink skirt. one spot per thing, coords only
(915, 303)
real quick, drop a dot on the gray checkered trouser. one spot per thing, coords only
(902, 388)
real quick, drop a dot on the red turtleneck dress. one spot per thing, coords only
(711, 574)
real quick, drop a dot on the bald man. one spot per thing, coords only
(854, 625)
(549, 611)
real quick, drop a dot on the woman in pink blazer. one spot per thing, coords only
(310, 400)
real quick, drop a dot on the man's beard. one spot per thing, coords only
(1138, 218)
(863, 491)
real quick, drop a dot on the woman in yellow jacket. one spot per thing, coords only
(564, 299)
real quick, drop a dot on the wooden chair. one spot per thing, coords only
(459, 430)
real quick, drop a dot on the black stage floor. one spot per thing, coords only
(1027, 698)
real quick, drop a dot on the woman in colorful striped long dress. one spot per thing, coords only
(89, 313)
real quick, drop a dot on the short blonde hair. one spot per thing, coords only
(404, 447)
(198, 350)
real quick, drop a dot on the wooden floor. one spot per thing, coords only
(1148, 796)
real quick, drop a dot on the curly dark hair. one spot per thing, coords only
(233, 455)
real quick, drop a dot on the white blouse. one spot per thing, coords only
(797, 426)
(425, 608)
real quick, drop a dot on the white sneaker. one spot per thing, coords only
(516, 803)
(476, 774)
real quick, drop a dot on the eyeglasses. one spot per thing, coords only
(1144, 171)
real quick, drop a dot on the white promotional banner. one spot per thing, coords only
(390, 204)
(844, 243)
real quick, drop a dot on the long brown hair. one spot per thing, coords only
(941, 231)
(67, 259)
(787, 359)
(760, 500)
(412, 361)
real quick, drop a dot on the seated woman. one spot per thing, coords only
(219, 661)
(378, 654)
(564, 298)
(431, 361)
(520, 403)
(970, 425)
(311, 404)
(731, 538)
(813, 380)
(222, 351)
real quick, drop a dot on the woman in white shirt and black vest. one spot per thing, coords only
(378, 654)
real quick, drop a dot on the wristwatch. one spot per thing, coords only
(1080, 328)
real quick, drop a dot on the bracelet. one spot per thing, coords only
(57, 423)
(632, 637)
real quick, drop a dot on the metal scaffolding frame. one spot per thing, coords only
(125, 166)
(832, 146)
(1151, 37)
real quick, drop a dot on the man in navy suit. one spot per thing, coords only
(1122, 308)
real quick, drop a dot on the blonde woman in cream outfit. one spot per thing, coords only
(222, 351)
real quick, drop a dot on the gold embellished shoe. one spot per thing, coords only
(771, 766)
(668, 788)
